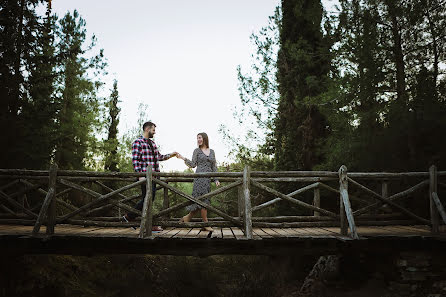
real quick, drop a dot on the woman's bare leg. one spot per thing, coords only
(189, 216)
(204, 216)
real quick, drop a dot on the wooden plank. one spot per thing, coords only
(16, 229)
(171, 233)
(86, 230)
(165, 230)
(183, 232)
(281, 232)
(259, 232)
(238, 233)
(217, 233)
(204, 234)
(270, 232)
(287, 232)
(403, 231)
(324, 232)
(375, 230)
(313, 232)
(300, 231)
(193, 233)
(68, 229)
(304, 231)
(227, 233)
(294, 232)
(416, 229)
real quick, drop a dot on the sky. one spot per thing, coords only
(180, 59)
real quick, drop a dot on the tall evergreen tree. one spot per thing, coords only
(76, 92)
(390, 51)
(112, 142)
(303, 67)
(40, 110)
(19, 28)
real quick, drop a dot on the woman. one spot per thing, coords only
(204, 159)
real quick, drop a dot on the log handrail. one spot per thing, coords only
(270, 174)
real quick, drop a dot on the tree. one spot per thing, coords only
(259, 98)
(112, 142)
(388, 83)
(76, 93)
(19, 33)
(303, 66)
(39, 111)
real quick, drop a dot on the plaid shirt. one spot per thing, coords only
(143, 156)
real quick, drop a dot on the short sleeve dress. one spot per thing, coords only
(202, 185)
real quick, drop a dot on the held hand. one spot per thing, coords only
(179, 156)
(141, 178)
(174, 154)
(217, 183)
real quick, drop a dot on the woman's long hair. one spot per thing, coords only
(205, 139)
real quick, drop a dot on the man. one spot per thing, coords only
(145, 153)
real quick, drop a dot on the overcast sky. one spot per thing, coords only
(178, 57)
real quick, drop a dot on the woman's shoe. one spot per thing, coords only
(208, 229)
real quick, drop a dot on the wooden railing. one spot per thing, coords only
(354, 191)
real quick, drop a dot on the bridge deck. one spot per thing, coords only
(73, 239)
(234, 233)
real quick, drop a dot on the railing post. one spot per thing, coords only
(147, 215)
(52, 207)
(316, 201)
(384, 194)
(166, 201)
(247, 203)
(241, 201)
(343, 184)
(435, 220)
(48, 208)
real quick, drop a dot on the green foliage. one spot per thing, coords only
(24, 46)
(259, 99)
(303, 66)
(388, 109)
(49, 88)
(112, 142)
(78, 116)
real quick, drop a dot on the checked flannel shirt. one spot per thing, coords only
(143, 156)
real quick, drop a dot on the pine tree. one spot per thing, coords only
(112, 142)
(76, 93)
(19, 28)
(303, 66)
(40, 111)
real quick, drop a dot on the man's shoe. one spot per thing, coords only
(157, 229)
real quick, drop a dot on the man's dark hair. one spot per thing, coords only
(147, 124)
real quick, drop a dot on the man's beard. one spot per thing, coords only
(150, 135)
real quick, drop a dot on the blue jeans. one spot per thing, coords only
(140, 204)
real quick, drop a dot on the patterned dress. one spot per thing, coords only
(202, 185)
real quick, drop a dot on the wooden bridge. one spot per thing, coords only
(335, 212)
